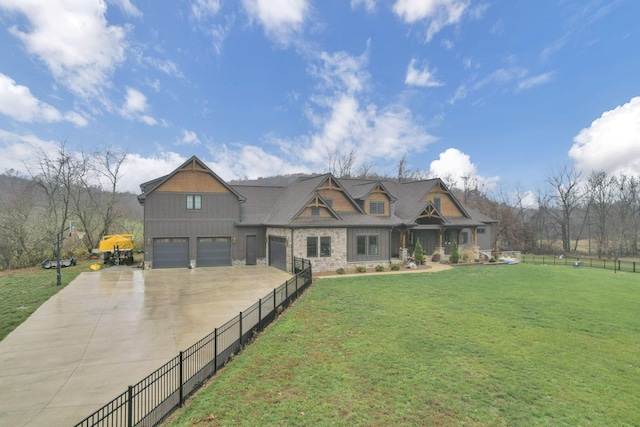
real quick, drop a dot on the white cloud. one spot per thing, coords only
(137, 169)
(453, 164)
(611, 143)
(167, 66)
(188, 137)
(282, 20)
(421, 77)
(73, 39)
(18, 150)
(135, 106)
(127, 7)
(439, 13)
(346, 120)
(340, 71)
(17, 102)
(203, 9)
(368, 5)
(530, 82)
(460, 93)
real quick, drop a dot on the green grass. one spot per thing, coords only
(23, 291)
(492, 345)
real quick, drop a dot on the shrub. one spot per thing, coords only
(492, 259)
(379, 267)
(455, 255)
(340, 270)
(361, 269)
(467, 255)
(395, 267)
(418, 253)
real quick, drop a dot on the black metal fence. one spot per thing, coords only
(155, 397)
(609, 264)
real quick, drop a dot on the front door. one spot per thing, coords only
(252, 250)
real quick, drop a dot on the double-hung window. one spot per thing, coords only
(367, 245)
(318, 246)
(194, 202)
(376, 208)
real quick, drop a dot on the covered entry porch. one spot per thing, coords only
(433, 238)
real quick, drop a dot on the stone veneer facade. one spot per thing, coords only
(280, 232)
(338, 256)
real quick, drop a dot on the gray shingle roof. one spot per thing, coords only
(281, 205)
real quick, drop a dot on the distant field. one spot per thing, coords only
(514, 345)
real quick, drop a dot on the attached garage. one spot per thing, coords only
(213, 251)
(278, 252)
(171, 252)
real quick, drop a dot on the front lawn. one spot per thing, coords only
(23, 291)
(517, 345)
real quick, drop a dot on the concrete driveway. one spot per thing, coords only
(109, 329)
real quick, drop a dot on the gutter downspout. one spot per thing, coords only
(293, 261)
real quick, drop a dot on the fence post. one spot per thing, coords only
(274, 301)
(634, 266)
(215, 350)
(260, 314)
(130, 406)
(181, 388)
(240, 329)
(619, 266)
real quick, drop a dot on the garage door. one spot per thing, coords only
(213, 251)
(278, 252)
(172, 252)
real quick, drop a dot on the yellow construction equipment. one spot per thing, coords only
(116, 248)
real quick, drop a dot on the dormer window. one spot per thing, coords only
(315, 211)
(194, 202)
(436, 203)
(376, 208)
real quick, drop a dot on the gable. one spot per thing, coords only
(429, 215)
(377, 194)
(193, 177)
(332, 190)
(316, 204)
(449, 206)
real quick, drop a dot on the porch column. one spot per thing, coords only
(474, 233)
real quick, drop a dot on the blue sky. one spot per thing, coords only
(503, 91)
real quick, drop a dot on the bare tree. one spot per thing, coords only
(340, 164)
(600, 187)
(565, 197)
(96, 201)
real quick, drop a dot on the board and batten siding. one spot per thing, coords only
(383, 244)
(239, 248)
(166, 215)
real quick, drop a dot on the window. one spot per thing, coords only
(312, 246)
(436, 203)
(325, 246)
(367, 245)
(315, 211)
(329, 202)
(194, 202)
(481, 230)
(376, 207)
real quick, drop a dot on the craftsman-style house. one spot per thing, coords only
(193, 218)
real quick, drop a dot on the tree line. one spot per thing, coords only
(570, 213)
(62, 187)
